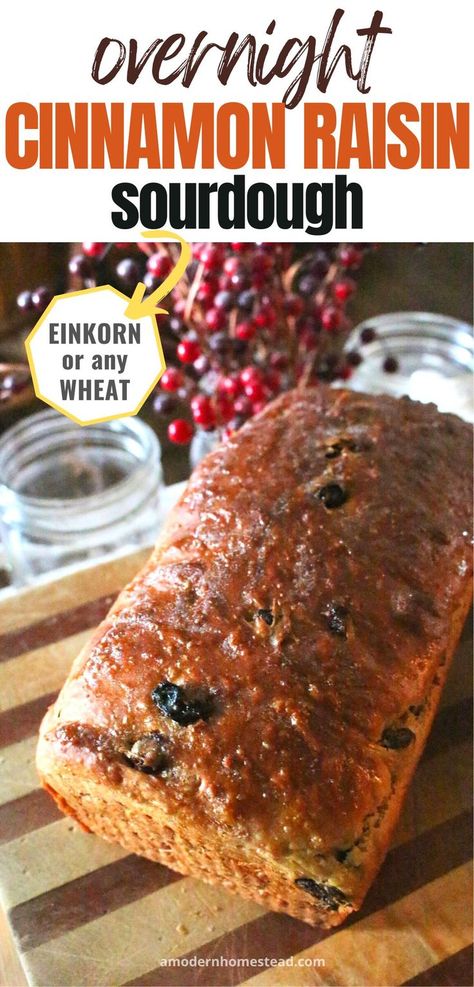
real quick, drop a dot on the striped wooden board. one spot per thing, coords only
(78, 911)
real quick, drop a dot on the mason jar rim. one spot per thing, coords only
(420, 325)
(47, 424)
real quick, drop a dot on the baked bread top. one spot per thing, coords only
(265, 670)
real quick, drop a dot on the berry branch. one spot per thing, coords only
(253, 321)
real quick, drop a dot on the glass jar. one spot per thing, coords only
(433, 354)
(202, 442)
(70, 493)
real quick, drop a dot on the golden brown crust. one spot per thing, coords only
(308, 632)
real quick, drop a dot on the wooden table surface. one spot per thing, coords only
(78, 911)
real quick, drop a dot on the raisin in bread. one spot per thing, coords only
(253, 707)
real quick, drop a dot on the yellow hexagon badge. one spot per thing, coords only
(90, 360)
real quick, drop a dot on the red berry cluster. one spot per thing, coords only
(15, 383)
(250, 321)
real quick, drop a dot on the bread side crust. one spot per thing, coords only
(381, 833)
(177, 841)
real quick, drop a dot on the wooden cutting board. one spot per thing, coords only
(77, 911)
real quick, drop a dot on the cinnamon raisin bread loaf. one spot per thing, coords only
(253, 707)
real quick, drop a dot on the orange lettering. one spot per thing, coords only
(407, 138)
(354, 141)
(268, 135)
(16, 114)
(319, 125)
(107, 133)
(143, 121)
(201, 133)
(453, 135)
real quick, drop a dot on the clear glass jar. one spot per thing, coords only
(434, 357)
(70, 493)
(202, 442)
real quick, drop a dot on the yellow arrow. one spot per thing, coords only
(139, 306)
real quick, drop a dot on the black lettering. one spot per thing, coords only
(204, 196)
(260, 206)
(284, 221)
(342, 189)
(188, 219)
(129, 216)
(231, 204)
(319, 208)
(153, 206)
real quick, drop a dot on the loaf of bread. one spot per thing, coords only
(253, 707)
